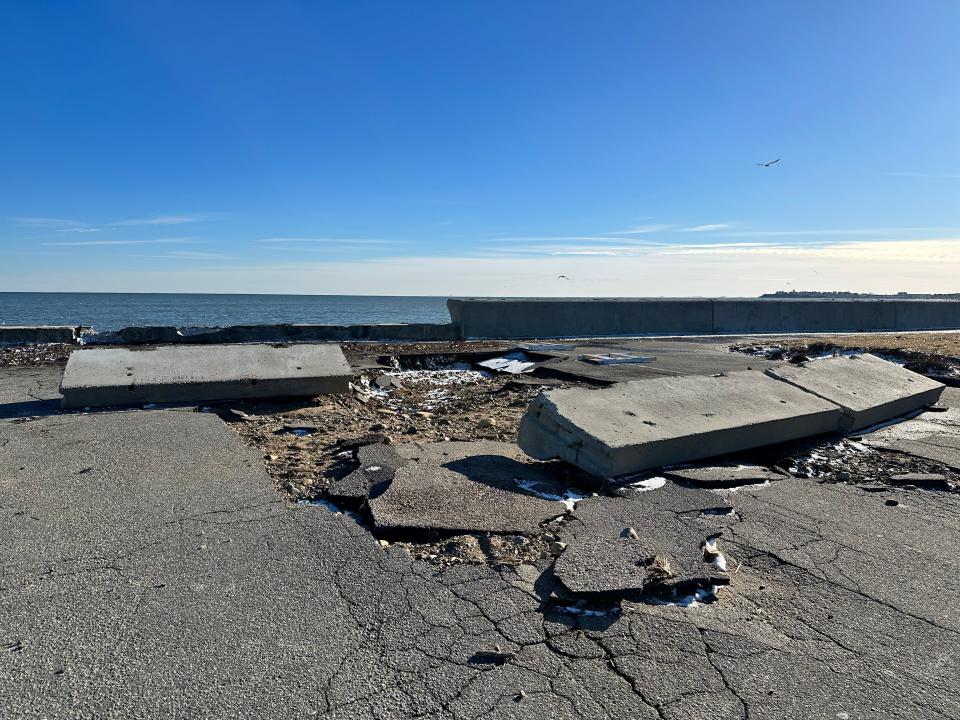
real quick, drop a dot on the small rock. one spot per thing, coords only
(937, 408)
(891, 503)
(843, 476)
(557, 547)
(487, 423)
(630, 533)
(412, 430)
(520, 696)
(378, 427)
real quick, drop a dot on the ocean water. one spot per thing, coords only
(112, 311)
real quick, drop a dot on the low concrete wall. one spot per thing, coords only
(484, 318)
(532, 318)
(38, 334)
(416, 332)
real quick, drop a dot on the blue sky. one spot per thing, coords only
(480, 147)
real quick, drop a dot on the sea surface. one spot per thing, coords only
(112, 311)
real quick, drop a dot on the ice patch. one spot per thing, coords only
(569, 497)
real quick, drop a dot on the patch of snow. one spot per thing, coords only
(572, 610)
(373, 468)
(747, 485)
(717, 558)
(569, 498)
(326, 504)
(654, 483)
(697, 598)
(513, 363)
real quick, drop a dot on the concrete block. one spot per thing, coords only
(869, 390)
(38, 334)
(645, 424)
(766, 315)
(124, 376)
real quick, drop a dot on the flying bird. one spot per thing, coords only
(563, 277)
(768, 164)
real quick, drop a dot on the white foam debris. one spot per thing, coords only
(373, 468)
(569, 498)
(654, 483)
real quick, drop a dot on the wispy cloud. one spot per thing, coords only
(938, 176)
(707, 228)
(164, 220)
(50, 223)
(641, 229)
(838, 232)
(327, 240)
(90, 243)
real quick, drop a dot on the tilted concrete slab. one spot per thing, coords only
(122, 376)
(640, 425)
(868, 389)
(463, 487)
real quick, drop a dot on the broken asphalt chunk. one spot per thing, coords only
(469, 487)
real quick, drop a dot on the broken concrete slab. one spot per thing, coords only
(468, 487)
(724, 476)
(125, 376)
(635, 426)
(868, 389)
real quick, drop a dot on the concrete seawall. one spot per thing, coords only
(530, 318)
(38, 334)
(549, 317)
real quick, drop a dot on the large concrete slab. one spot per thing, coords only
(868, 389)
(635, 426)
(464, 487)
(128, 376)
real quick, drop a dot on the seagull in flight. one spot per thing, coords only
(768, 164)
(563, 277)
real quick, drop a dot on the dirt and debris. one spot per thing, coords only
(34, 355)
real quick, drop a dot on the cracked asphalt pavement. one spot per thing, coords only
(150, 569)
